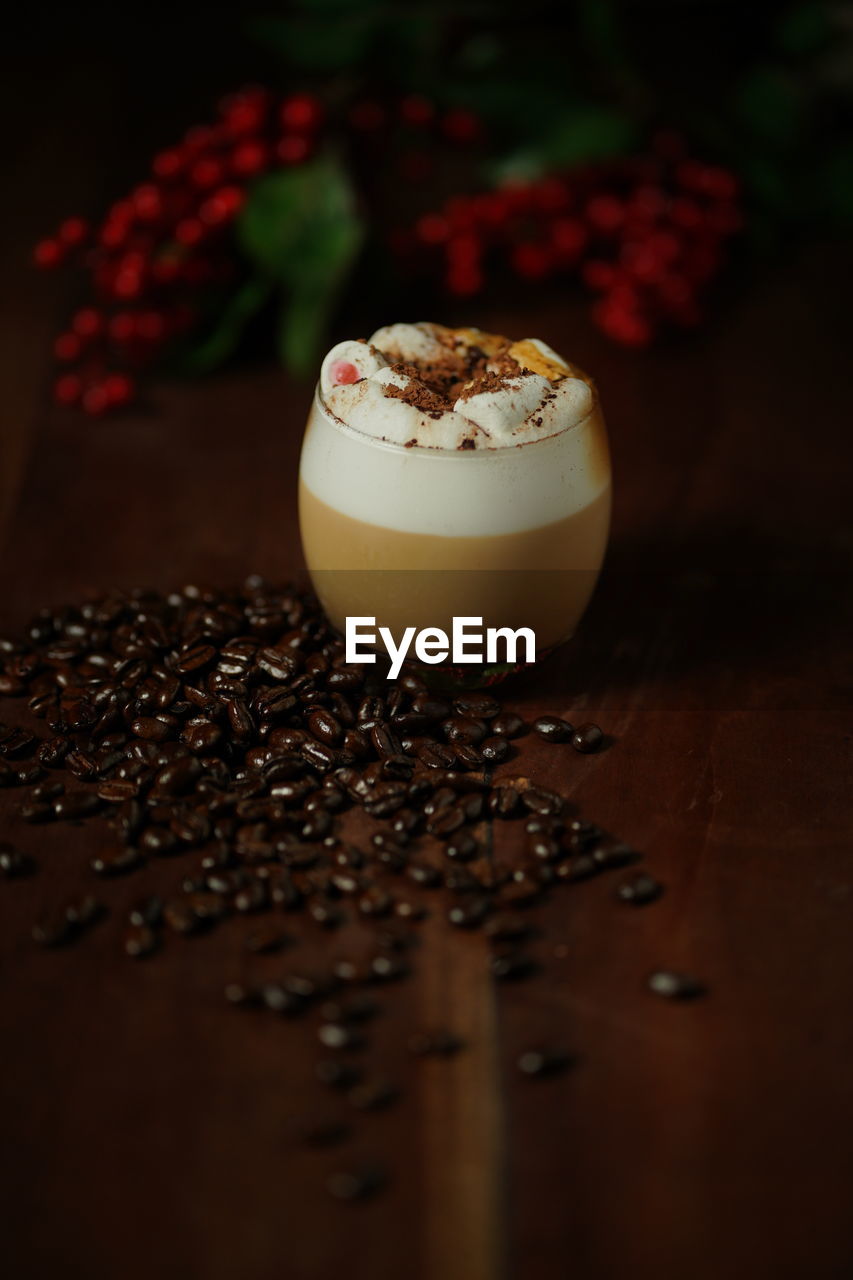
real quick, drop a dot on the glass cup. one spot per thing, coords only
(416, 537)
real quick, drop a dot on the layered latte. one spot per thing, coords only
(450, 472)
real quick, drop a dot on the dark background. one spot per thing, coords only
(144, 1131)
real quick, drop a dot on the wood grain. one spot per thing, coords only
(147, 1129)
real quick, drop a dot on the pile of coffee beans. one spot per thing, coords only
(227, 726)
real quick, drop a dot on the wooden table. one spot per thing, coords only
(146, 1128)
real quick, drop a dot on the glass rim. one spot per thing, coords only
(391, 446)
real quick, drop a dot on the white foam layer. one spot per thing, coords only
(543, 398)
(474, 492)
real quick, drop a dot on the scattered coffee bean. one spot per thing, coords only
(587, 738)
(639, 890)
(356, 1184)
(13, 862)
(372, 1094)
(441, 1044)
(140, 940)
(675, 986)
(543, 1062)
(553, 728)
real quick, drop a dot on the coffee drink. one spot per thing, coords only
(450, 472)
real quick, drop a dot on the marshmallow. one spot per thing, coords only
(499, 412)
(542, 401)
(349, 362)
(538, 357)
(410, 342)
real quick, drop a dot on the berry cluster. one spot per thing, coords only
(158, 249)
(645, 234)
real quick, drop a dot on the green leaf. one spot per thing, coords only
(317, 42)
(804, 29)
(223, 339)
(771, 106)
(302, 229)
(581, 134)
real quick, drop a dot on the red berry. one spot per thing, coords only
(67, 389)
(166, 269)
(122, 327)
(206, 172)
(95, 399)
(47, 254)
(464, 250)
(292, 149)
(532, 261)
(432, 228)
(67, 347)
(627, 327)
(73, 231)
(343, 372)
(417, 110)
(147, 201)
(460, 125)
(244, 113)
(686, 213)
(464, 279)
(415, 165)
(605, 213)
(598, 275)
(88, 323)
(250, 158)
(151, 327)
(200, 138)
(648, 202)
(366, 116)
(551, 195)
(568, 236)
(118, 389)
(301, 113)
(189, 232)
(168, 164)
(223, 205)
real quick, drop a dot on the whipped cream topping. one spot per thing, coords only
(432, 387)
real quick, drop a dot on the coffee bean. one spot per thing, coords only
(140, 940)
(552, 728)
(587, 738)
(76, 805)
(465, 729)
(337, 1074)
(115, 790)
(494, 750)
(117, 862)
(639, 889)
(675, 986)
(543, 1062)
(426, 1044)
(194, 659)
(512, 966)
(265, 939)
(13, 862)
(504, 801)
(151, 728)
(148, 911)
(446, 821)
(538, 800)
(372, 1094)
(469, 914)
(358, 1183)
(507, 725)
(334, 1035)
(323, 1131)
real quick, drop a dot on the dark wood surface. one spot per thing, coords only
(146, 1128)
